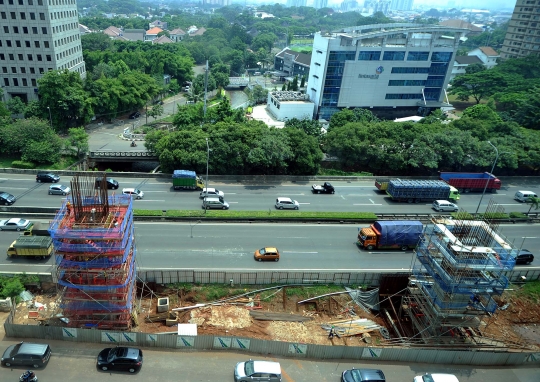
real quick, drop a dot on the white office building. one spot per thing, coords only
(394, 70)
(37, 36)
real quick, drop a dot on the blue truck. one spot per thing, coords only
(415, 191)
(402, 234)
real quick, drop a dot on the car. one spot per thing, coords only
(211, 192)
(27, 354)
(213, 202)
(363, 375)
(47, 177)
(524, 257)
(134, 192)
(7, 199)
(444, 205)
(325, 188)
(58, 189)
(267, 253)
(120, 358)
(287, 203)
(437, 377)
(112, 184)
(134, 115)
(252, 371)
(15, 224)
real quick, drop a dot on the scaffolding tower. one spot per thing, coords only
(93, 237)
(457, 270)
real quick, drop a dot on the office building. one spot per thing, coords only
(318, 4)
(296, 3)
(523, 34)
(37, 36)
(401, 5)
(395, 70)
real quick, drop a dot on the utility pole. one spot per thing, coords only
(205, 87)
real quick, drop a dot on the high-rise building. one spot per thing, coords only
(37, 36)
(296, 3)
(348, 5)
(523, 35)
(401, 5)
(318, 4)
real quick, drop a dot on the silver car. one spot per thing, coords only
(287, 203)
(15, 224)
(58, 189)
(252, 371)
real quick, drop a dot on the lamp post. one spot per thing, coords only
(207, 160)
(492, 169)
(50, 117)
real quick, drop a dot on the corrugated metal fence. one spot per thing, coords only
(286, 349)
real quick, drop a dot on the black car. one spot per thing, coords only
(363, 375)
(134, 115)
(27, 354)
(120, 358)
(6, 198)
(111, 183)
(47, 177)
(524, 257)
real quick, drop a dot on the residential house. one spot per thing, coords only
(487, 55)
(163, 39)
(457, 23)
(134, 34)
(177, 34)
(199, 32)
(292, 63)
(159, 24)
(113, 32)
(83, 29)
(152, 34)
(461, 63)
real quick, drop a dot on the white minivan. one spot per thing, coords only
(523, 196)
(443, 205)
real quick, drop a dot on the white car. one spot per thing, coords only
(14, 224)
(287, 203)
(211, 192)
(436, 378)
(134, 192)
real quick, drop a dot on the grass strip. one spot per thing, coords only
(256, 214)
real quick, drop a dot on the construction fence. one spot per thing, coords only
(276, 348)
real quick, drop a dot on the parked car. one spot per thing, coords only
(120, 358)
(287, 203)
(47, 177)
(211, 192)
(15, 224)
(134, 192)
(27, 354)
(58, 189)
(267, 253)
(134, 115)
(524, 257)
(252, 371)
(363, 375)
(7, 199)
(439, 377)
(111, 183)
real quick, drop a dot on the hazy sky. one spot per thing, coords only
(469, 3)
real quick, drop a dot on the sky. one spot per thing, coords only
(468, 3)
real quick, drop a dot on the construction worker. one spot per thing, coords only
(68, 208)
(331, 333)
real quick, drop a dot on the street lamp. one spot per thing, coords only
(207, 160)
(488, 179)
(50, 117)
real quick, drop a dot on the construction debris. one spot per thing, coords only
(349, 328)
(269, 316)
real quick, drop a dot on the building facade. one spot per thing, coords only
(523, 35)
(291, 63)
(318, 4)
(394, 70)
(37, 36)
(402, 5)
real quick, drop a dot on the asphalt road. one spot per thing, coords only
(350, 196)
(219, 246)
(73, 361)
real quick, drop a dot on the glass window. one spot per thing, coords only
(3, 15)
(42, 16)
(24, 82)
(393, 56)
(44, 30)
(6, 29)
(441, 56)
(18, 43)
(32, 16)
(15, 82)
(34, 30)
(32, 70)
(21, 58)
(13, 16)
(369, 55)
(25, 30)
(33, 81)
(11, 57)
(27, 44)
(15, 29)
(2, 56)
(36, 43)
(46, 43)
(417, 56)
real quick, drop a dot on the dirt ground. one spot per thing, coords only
(517, 321)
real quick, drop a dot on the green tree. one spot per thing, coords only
(311, 127)
(475, 68)
(155, 111)
(303, 82)
(16, 105)
(535, 202)
(77, 141)
(306, 153)
(10, 287)
(294, 85)
(271, 153)
(479, 85)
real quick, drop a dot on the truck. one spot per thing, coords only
(38, 247)
(381, 184)
(388, 234)
(325, 188)
(416, 191)
(38, 229)
(471, 181)
(187, 180)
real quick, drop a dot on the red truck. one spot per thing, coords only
(471, 181)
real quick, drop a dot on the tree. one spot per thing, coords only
(294, 85)
(155, 111)
(16, 105)
(270, 154)
(306, 153)
(311, 127)
(535, 202)
(303, 82)
(77, 141)
(10, 287)
(478, 85)
(475, 68)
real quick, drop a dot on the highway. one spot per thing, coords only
(350, 196)
(221, 246)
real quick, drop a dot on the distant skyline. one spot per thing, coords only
(474, 4)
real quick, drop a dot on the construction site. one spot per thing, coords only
(456, 295)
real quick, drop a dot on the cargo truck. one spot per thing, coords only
(402, 234)
(416, 191)
(38, 229)
(187, 180)
(472, 181)
(38, 247)
(381, 184)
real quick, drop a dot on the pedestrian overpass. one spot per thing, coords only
(239, 82)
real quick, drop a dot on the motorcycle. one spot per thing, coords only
(28, 376)
(133, 144)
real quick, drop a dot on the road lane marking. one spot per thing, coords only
(149, 200)
(299, 252)
(367, 204)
